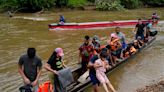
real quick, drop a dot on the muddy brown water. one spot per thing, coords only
(17, 34)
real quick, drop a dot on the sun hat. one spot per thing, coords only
(114, 35)
(59, 51)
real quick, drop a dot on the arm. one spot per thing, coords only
(20, 69)
(145, 31)
(96, 65)
(119, 43)
(48, 68)
(63, 64)
(79, 58)
(107, 66)
(90, 65)
(135, 30)
(34, 83)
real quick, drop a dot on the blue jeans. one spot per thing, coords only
(139, 35)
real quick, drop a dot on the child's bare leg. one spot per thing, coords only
(105, 87)
(110, 87)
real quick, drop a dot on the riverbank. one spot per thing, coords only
(157, 86)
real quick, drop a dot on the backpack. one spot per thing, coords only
(26, 88)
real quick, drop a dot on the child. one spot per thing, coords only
(101, 65)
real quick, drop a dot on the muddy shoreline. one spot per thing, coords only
(155, 86)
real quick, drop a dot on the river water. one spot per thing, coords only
(19, 33)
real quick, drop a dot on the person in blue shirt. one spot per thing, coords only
(121, 36)
(61, 20)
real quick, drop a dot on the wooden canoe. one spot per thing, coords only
(79, 87)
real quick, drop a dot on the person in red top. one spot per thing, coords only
(85, 53)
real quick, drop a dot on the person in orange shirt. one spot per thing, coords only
(116, 47)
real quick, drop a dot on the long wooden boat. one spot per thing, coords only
(92, 25)
(79, 87)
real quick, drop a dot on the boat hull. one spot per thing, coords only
(92, 25)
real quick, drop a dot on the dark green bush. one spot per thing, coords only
(110, 5)
(76, 3)
(9, 4)
(93, 1)
(60, 3)
(131, 4)
(31, 5)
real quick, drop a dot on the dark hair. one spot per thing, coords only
(31, 52)
(108, 47)
(104, 50)
(103, 54)
(87, 37)
(139, 19)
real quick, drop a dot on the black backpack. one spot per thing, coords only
(26, 88)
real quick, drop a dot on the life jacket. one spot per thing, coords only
(45, 87)
(114, 44)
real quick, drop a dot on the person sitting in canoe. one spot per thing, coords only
(116, 47)
(136, 44)
(85, 53)
(96, 43)
(151, 28)
(109, 56)
(55, 64)
(140, 41)
(155, 17)
(121, 37)
(101, 65)
(130, 50)
(61, 20)
(140, 30)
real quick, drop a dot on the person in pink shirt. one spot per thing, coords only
(101, 65)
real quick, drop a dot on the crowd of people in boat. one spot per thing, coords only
(93, 55)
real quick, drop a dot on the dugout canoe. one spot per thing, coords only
(79, 87)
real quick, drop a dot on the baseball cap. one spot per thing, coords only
(59, 51)
(96, 38)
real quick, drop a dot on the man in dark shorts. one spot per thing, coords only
(30, 68)
(85, 53)
(139, 30)
(92, 71)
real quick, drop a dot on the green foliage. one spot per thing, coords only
(60, 3)
(131, 4)
(76, 3)
(33, 5)
(8, 4)
(110, 5)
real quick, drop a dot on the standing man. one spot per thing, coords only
(30, 66)
(85, 53)
(121, 36)
(139, 30)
